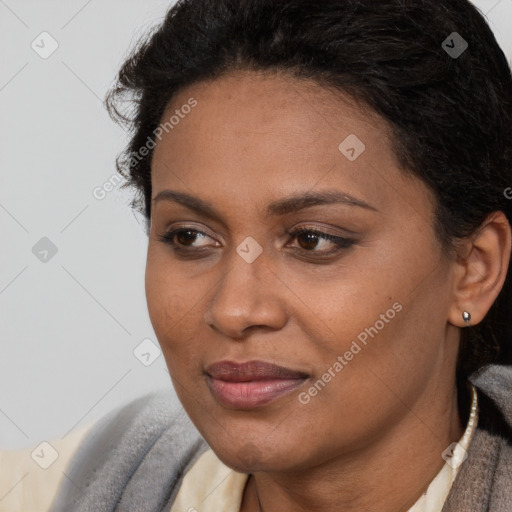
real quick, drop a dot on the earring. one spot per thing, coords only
(466, 317)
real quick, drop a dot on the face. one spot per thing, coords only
(287, 243)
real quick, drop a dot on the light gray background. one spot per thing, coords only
(69, 325)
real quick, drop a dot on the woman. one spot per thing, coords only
(325, 185)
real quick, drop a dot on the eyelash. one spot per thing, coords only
(340, 242)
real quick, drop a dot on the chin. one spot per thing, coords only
(253, 456)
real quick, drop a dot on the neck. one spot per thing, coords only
(389, 475)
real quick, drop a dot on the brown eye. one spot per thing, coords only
(183, 237)
(310, 239)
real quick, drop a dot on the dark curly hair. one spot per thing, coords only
(450, 115)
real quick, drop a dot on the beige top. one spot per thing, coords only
(29, 478)
(210, 486)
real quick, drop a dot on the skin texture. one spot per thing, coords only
(372, 438)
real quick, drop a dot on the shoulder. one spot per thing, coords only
(484, 480)
(495, 384)
(133, 458)
(31, 476)
(495, 378)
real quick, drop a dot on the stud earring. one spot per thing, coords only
(466, 317)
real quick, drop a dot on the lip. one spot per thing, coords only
(251, 384)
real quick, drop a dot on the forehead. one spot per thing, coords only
(249, 104)
(259, 135)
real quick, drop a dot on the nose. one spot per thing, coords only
(248, 296)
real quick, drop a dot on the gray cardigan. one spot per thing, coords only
(134, 459)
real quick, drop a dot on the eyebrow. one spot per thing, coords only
(285, 206)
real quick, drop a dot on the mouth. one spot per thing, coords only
(252, 384)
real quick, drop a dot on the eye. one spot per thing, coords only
(183, 238)
(310, 239)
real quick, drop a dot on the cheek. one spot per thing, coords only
(386, 357)
(168, 303)
(369, 314)
(338, 306)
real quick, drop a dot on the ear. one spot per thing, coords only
(481, 269)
